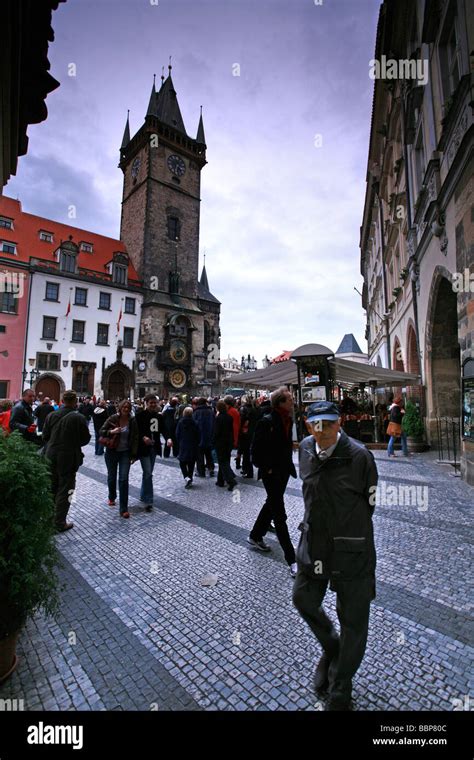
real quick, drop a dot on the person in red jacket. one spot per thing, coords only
(230, 404)
(5, 414)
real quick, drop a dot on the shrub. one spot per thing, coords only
(28, 555)
(412, 422)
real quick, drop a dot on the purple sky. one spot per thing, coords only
(280, 215)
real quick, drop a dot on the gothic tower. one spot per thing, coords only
(160, 227)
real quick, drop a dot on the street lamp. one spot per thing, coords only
(33, 375)
(24, 375)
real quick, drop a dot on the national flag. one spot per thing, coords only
(68, 307)
(119, 320)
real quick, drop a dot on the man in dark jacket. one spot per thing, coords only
(98, 418)
(248, 422)
(203, 416)
(22, 419)
(65, 432)
(336, 547)
(272, 453)
(170, 420)
(188, 436)
(150, 428)
(42, 411)
(223, 443)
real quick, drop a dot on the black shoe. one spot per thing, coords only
(221, 485)
(321, 681)
(65, 526)
(148, 507)
(231, 486)
(211, 473)
(260, 545)
(337, 704)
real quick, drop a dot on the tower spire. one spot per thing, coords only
(126, 133)
(162, 74)
(200, 137)
(151, 110)
(169, 66)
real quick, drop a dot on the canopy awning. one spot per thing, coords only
(343, 371)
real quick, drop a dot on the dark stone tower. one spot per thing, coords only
(160, 228)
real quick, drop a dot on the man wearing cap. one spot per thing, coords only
(64, 433)
(336, 548)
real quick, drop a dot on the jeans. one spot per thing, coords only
(352, 607)
(274, 509)
(247, 467)
(118, 460)
(99, 449)
(187, 468)
(147, 462)
(391, 442)
(204, 459)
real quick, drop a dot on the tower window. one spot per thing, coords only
(6, 222)
(47, 237)
(174, 228)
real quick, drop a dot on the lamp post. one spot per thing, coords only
(24, 375)
(33, 375)
(373, 385)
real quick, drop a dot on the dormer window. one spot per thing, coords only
(47, 237)
(67, 256)
(6, 222)
(7, 247)
(87, 247)
(119, 274)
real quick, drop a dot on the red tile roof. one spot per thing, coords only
(283, 357)
(26, 236)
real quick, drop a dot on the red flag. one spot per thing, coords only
(119, 320)
(68, 307)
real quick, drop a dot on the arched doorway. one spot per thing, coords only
(398, 357)
(414, 392)
(49, 386)
(116, 386)
(443, 369)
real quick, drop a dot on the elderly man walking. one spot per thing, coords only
(272, 453)
(64, 433)
(336, 548)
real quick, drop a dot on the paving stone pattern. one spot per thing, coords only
(138, 631)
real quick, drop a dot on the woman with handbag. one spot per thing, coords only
(119, 436)
(394, 429)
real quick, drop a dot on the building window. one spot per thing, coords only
(46, 362)
(46, 236)
(102, 335)
(8, 247)
(104, 301)
(3, 388)
(6, 223)
(49, 328)
(67, 262)
(449, 54)
(87, 247)
(174, 228)
(83, 377)
(119, 274)
(81, 297)
(78, 330)
(419, 159)
(128, 337)
(52, 291)
(130, 306)
(8, 302)
(3, 328)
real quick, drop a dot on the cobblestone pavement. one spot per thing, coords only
(138, 631)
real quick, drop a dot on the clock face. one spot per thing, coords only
(135, 167)
(177, 378)
(142, 366)
(178, 351)
(176, 165)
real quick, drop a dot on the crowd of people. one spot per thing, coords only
(338, 473)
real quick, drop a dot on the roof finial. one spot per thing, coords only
(204, 257)
(162, 74)
(154, 78)
(169, 66)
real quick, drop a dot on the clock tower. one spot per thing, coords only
(177, 350)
